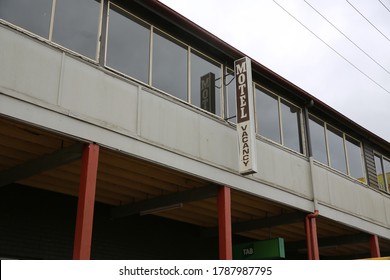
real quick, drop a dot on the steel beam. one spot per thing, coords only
(255, 224)
(41, 164)
(160, 202)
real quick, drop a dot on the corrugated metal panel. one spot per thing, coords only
(370, 165)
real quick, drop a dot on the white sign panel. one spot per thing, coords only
(245, 116)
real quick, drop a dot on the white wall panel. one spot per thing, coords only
(93, 94)
(28, 68)
(283, 168)
(342, 193)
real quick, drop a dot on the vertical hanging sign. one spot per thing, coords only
(245, 116)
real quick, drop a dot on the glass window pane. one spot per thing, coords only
(317, 137)
(31, 15)
(76, 25)
(231, 96)
(128, 45)
(169, 66)
(200, 67)
(336, 150)
(291, 126)
(379, 172)
(267, 115)
(355, 159)
(386, 166)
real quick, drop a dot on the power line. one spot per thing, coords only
(376, 62)
(329, 46)
(384, 5)
(377, 29)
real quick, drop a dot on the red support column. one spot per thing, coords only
(86, 203)
(308, 239)
(311, 236)
(374, 245)
(225, 223)
(314, 242)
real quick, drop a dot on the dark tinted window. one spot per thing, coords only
(170, 66)
(76, 25)
(291, 126)
(231, 96)
(201, 66)
(128, 45)
(317, 136)
(32, 15)
(267, 115)
(336, 149)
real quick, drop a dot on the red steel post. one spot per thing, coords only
(374, 246)
(314, 240)
(311, 236)
(86, 202)
(308, 239)
(225, 223)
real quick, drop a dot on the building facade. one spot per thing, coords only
(119, 140)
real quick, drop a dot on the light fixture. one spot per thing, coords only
(160, 209)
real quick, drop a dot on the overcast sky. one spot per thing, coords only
(339, 51)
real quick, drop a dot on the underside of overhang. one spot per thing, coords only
(48, 160)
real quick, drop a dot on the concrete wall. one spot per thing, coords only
(43, 85)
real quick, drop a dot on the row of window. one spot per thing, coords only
(143, 52)
(73, 24)
(336, 149)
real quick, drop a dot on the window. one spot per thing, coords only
(267, 115)
(33, 16)
(76, 25)
(336, 149)
(318, 143)
(382, 166)
(128, 44)
(291, 130)
(355, 155)
(386, 167)
(169, 66)
(332, 147)
(230, 96)
(201, 66)
(278, 120)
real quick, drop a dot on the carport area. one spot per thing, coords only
(142, 210)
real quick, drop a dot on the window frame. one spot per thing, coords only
(345, 136)
(49, 39)
(382, 158)
(279, 99)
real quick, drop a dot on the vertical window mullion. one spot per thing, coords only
(222, 93)
(150, 55)
(99, 37)
(53, 10)
(326, 143)
(346, 155)
(280, 122)
(189, 75)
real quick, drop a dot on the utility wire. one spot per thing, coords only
(384, 5)
(342, 33)
(368, 20)
(329, 46)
